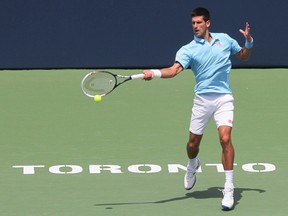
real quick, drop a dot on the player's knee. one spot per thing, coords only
(193, 142)
(225, 140)
(192, 145)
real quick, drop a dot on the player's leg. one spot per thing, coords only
(227, 149)
(193, 145)
(193, 162)
(201, 115)
(224, 120)
(227, 161)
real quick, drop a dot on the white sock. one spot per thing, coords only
(192, 163)
(229, 174)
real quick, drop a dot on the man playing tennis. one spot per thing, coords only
(208, 56)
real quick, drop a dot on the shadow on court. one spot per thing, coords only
(210, 193)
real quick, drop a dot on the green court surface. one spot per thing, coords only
(62, 154)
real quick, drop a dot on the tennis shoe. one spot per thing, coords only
(190, 176)
(228, 199)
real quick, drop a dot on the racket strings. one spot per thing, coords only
(99, 84)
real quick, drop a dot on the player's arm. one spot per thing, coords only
(169, 72)
(245, 52)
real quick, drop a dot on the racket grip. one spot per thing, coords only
(137, 76)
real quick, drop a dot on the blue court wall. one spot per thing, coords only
(131, 33)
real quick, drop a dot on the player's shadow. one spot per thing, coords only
(210, 193)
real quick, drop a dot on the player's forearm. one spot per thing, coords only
(171, 71)
(163, 73)
(245, 53)
(168, 73)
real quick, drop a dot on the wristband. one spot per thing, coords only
(248, 44)
(157, 73)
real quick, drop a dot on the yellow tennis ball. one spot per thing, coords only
(97, 98)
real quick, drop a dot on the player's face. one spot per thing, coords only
(200, 26)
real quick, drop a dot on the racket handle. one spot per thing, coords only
(137, 76)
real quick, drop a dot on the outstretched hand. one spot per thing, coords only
(246, 32)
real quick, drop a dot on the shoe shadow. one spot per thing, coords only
(210, 193)
(213, 192)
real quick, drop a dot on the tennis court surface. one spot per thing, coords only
(62, 154)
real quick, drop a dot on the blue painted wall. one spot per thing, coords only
(130, 33)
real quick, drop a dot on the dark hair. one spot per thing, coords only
(200, 11)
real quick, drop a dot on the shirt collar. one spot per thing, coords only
(201, 40)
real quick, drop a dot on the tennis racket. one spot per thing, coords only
(104, 82)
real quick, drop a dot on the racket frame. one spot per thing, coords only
(117, 82)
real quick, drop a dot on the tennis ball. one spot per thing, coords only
(97, 98)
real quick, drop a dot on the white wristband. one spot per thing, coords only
(157, 73)
(248, 44)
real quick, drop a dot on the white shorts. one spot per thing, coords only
(211, 104)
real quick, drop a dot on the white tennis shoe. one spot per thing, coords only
(228, 199)
(190, 176)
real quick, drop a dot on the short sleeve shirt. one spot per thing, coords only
(210, 62)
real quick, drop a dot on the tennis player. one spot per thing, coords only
(208, 56)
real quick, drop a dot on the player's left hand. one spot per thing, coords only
(246, 32)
